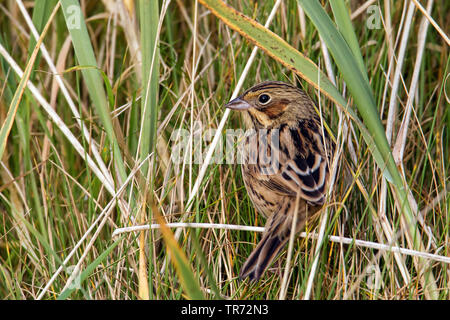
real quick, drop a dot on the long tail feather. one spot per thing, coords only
(262, 256)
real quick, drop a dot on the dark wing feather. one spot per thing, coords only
(311, 183)
(304, 164)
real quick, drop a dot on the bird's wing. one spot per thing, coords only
(303, 165)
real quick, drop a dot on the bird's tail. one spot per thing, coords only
(277, 234)
(263, 255)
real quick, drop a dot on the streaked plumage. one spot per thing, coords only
(303, 156)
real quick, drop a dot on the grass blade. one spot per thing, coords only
(179, 259)
(92, 76)
(149, 22)
(7, 125)
(345, 26)
(41, 13)
(88, 271)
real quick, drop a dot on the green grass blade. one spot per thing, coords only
(88, 271)
(342, 55)
(41, 12)
(92, 76)
(149, 18)
(345, 26)
(149, 23)
(7, 124)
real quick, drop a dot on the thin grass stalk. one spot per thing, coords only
(426, 13)
(400, 143)
(18, 215)
(292, 235)
(309, 235)
(399, 146)
(193, 72)
(398, 73)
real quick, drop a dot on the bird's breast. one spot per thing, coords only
(266, 201)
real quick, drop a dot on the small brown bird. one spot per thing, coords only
(285, 155)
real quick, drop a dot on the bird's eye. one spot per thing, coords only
(264, 98)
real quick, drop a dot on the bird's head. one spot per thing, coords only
(272, 103)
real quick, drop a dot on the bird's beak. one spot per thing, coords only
(238, 104)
